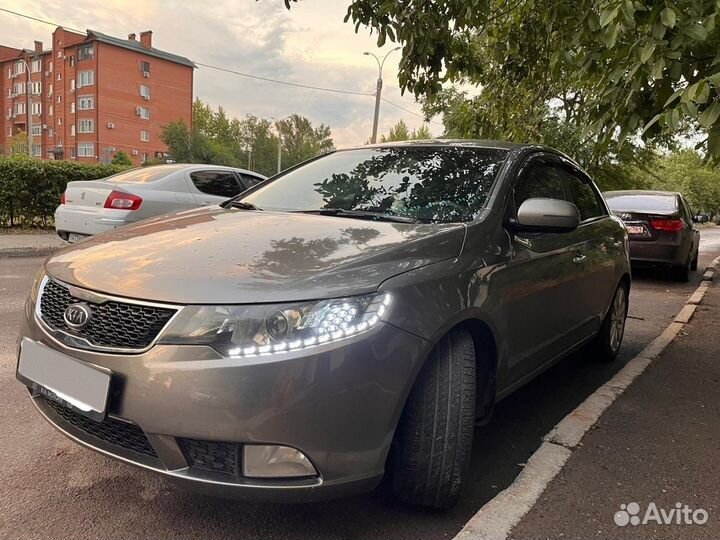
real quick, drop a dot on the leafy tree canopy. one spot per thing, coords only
(248, 143)
(624, 67)
(121, 158)
(401, 132)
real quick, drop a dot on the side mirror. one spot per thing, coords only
(547, 215)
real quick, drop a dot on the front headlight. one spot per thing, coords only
(255, 330)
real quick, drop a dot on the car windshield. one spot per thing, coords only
(431, 183)
(143, 175)
(656, 203)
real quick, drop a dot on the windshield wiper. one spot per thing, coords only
(359, 214)
(241, 205)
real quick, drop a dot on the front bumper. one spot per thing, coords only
(338, 404)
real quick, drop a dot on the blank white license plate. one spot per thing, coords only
(75, 237)
(56, 376)
(635, 229)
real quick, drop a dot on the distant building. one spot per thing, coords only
(92, 95)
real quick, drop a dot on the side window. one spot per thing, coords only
(218, 183)
(583, 195)
(250, 180)
(540, 179)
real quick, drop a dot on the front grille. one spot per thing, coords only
(110, 430)
(217, 457)
(112, 324)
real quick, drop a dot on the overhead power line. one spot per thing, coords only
(246, 75)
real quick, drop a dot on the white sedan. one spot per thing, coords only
(93, 206)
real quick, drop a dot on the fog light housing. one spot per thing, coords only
(269, 461)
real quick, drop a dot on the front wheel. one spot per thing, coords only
(608, 341)
(434, 438)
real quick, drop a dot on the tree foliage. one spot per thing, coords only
(121, 158)
(248, 143)
(401, 132)
(623, 67)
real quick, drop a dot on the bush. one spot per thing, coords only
(30, 189)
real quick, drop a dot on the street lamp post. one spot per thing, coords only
(378, 90)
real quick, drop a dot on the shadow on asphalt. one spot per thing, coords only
(499, 452)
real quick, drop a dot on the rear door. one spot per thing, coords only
(600, 246)
(214, 186)
(542, 279)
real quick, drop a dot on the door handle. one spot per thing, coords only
(579, 258)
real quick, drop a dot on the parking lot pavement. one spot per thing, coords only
(657, 444)
(52, 488)
(30, 244)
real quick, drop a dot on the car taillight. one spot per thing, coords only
(672, 225)
(62, 198)
(123, 201)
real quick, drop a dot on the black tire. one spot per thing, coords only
(605, 346)
(694, 263)
(682, 273)
(434, 437)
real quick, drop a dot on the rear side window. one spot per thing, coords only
(583, 195)
(250, 180)
(218, 183)
(540, 179)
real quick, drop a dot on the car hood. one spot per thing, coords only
(233, 256)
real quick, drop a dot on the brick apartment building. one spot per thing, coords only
(92, 95)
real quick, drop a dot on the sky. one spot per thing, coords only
(309, 44)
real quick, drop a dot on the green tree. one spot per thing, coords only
(401, 132)
(624, 67)
(121, 158)
(301, 141)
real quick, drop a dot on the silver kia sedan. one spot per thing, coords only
(93, 206)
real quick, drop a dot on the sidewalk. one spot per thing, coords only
(30, 245)
(659, 442)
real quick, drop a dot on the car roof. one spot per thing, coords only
(642, 192)
(472, 143)
(172, 167)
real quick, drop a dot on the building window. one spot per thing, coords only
(20, 108)
(145, 91)
(145, 157)
(37, 150)
(50, 132)
(50, 90)
(143, 112)
(86, 149)
(86, 125)
(145, 67)
(37, 88)
(50, 110)
(72, 108)
(36, 108)
(36, 65)
(59, 121)
(72, 85)
(72, 61)
(59, 99)
(72, 153)
(50, 66)
(59, 76)
(19, 67)
(145, 135)
(72, 130)
(85, 52)
(36, 130)
(87, 78)
(86, 103)
(59, 54)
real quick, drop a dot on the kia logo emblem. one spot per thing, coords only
(77, 315)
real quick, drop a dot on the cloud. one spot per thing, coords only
(310, 44)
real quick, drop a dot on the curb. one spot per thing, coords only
(29, 252)
(496, 519)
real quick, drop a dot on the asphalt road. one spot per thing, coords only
(52, 488)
